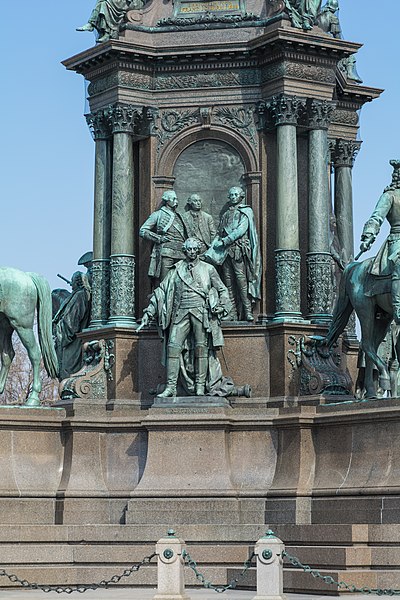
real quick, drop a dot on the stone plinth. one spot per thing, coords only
(118, 474)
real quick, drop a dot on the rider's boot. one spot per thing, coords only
(172, 372)
(396, 300)
(201, 365)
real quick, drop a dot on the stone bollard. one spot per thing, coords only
(269, 550)
(170, 566)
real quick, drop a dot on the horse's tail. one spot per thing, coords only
(343, 308)
(44, 325)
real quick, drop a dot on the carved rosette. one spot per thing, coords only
(287, 283)
(319, 285)
(344, 152)
(283, 110)
(122, 289)
(319, 113)
(100, 292)
(99, 125)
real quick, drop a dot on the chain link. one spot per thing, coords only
(220, 589)
(63, 589)
(342, 585)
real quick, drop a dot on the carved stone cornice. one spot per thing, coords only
(344, 152)
(319, 113)
(98, 125)
(282, 110)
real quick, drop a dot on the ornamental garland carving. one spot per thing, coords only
(345, 117)
(122, 286)
(171, 121)
(319, 283)
(299, 71)
(100, 290)
(211, 79)
(206, 19)
(124, 79)
(240, 119)
(287, 281)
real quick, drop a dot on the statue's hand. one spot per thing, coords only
(145, 322)
(218, 244)
(218, 310)
(366, 244)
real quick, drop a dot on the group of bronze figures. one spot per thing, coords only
(192, 298)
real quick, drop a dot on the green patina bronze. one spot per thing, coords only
(107, 16)
(188, 306)
(372, 288)
(236, 248)
(303, 13)
(20, 294)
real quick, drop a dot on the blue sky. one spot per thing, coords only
(46, 152)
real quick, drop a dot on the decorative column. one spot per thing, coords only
(102, 219)
(123, 121)
(284, 112)
(319, 260)
(344, 155)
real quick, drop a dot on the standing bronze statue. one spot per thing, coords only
(167, 229)
(72, 317)
(237, 249)
(199, 223)
(387, 261)
(106, 17)
(188, 306)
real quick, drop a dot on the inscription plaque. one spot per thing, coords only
(191, 8)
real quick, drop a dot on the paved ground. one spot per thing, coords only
(148, 594)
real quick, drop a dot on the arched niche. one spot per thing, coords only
(208, 167)
(199, 146)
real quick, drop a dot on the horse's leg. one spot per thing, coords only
(6, 350)
(372, 334)
(29, 341)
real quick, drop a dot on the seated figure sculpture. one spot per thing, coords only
(237, 249)
(188, 306)
(106, 17)
(72, 317)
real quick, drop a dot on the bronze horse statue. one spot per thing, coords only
(20, 294)
(375, 313)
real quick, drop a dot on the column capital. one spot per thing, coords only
(344, 152)
(124, 118)
(98, 125)
(282, 110)
(319, 113)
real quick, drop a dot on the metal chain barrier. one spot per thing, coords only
(220, 589)
(342, 585)
(61, 589)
